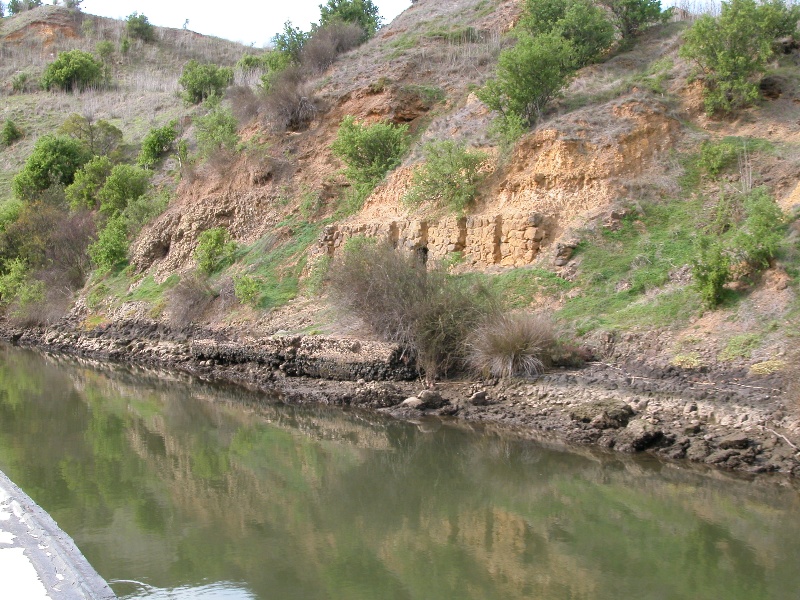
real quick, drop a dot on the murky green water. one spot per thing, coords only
(174, 490)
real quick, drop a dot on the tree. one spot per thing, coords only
(17, 6)
(139, 27)
(111, 247)
(361, 12)
(73, 70)
(156, 143)
(290, 42)
(124, 183)
(204, 80)
(2, 10)
(581, 22)
(733, 49)
(88, 181)
(633, 16)
(54, 160)
(529, 75)
(101, 138)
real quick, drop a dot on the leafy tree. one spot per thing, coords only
(156, 143)
(529, 75)
(361, 12)
(290, 41)
(54, 160)
(101, 138)
(581, 22)
(2, 10)
(124, 183)
(73, 70)
(202, 80)
(370, 151)
(633, 16)
(9, 133)
(17, 6)
(111, 247)
(216, 131)
(215, 250)
(733, 49)
(139, 27)
(89, 180)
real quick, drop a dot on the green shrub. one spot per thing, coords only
(73, 70)
(139, 27)
(54, 160)
(10, 133)
(711, 270)
(370, 151)
(101, 137)
(247, 289)
(732, 50)
(111, 247)
(216, 131)
(633, 16)
(511, 345)
(360, 12)
(215, 250)
(202, 80)
(82, 192)
(19, 82)
(145, 208)
(758, 238)
(105, 50)
(156, 143)
(450, 176)
(529, 76)
(124, 183)
(290, 42)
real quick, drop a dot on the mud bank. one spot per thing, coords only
(721, 418)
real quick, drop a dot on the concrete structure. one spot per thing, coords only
(38, 561)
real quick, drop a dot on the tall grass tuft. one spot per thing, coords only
(511, 345)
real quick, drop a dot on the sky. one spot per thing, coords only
(247, 21)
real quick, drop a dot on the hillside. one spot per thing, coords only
(593, 215)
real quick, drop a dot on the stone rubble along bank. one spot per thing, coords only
(740, 425)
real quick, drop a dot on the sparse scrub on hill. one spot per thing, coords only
(53, 161)
(731, 51)
(156, 144)
(203, 80)
(74, 70)
(370, 151)
(22, 83)
(9, 133)
(215, 250)
(450, 176)
(139, 27)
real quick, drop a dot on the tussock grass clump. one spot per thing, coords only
(512, 345)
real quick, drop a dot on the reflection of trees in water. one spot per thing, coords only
(210, 482)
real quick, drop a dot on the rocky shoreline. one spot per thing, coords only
(720, 418)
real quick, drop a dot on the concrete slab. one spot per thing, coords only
(38, 561)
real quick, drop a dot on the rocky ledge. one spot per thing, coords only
(721, 419)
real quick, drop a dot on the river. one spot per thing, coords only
(175, 488)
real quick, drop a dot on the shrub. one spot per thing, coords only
(111, 247)
(144, 208)
(215, 250)
(511, 345)
(633, 16)
(19, 82)
(711, 270)
(101, 138)
(17, 6)
(18, 290)
(105, 50)
(370, 151)
(393, 293)
(529, 76)
(156, 143)
(247, 289)
(10, 133)
(244, 103)
(73, 70)
(139, 27)
(202, 80)
(759, 236)
(82, 192)
(54, 160)
(216, 131)
(450, 176)
(189, 300)
(124, 183)
(733, 49)
(289, 103)
(581, 22)
(362, 13)
(290, 42)
(327, 43)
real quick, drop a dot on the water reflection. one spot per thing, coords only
(176, 489)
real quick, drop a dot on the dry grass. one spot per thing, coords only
(189, 300)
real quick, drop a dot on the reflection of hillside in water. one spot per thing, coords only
(180, 485)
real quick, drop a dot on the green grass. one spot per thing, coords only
(740, 346)
(150, 291)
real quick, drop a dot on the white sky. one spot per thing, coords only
(247, 21)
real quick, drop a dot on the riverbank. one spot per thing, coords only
(37, 559)
(727, 419)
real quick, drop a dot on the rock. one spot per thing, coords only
(638, 435)
(479, 398)
(413, 402)
(734, 440)
(431, 399)
(612, 413)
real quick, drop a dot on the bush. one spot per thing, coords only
(633, 16)
(711, 270)
(511, 345)
(17, 6)
(19, 83)
(105, 50)
(244, 103)
(731, 51)
(529, 76)
(581, 22)
(215, 250)
(156, 143)
(111, 247)
(362, 13)
(18, 290)
(216, 131)
(370, 151)
(54, 160)
(202, 80)
(82, 192)
(139, 27)
(329, 42)
(290, 42)
(450, 176)
(289, 103)
(394, 294)
(143, 209)
(73, 70)
(100, 138)
(124, 183)
(247, 289)
(189, 300)
(758, 238)
(10, 133)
